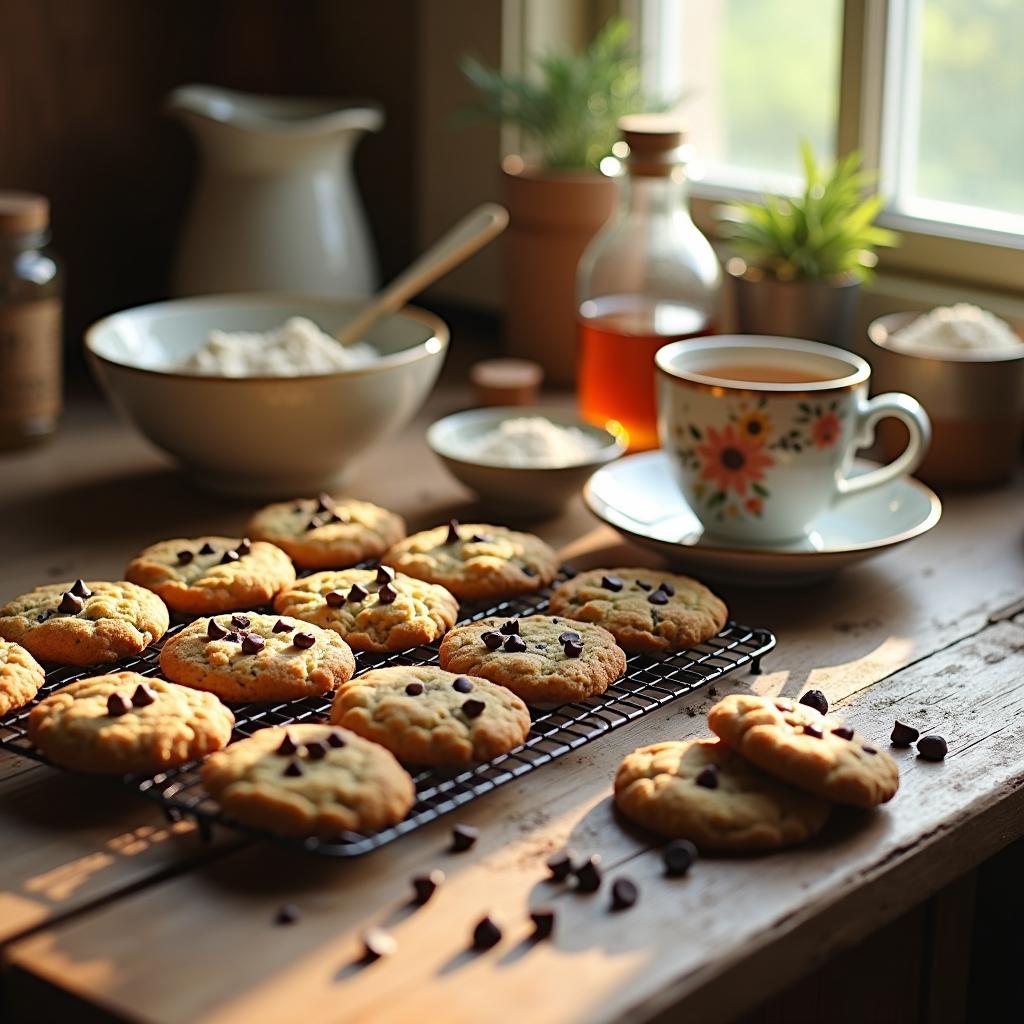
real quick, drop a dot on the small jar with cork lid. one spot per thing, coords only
(31, 351)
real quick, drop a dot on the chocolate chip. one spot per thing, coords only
(385, 574)
(70, 604)
(932, 748)
(783, 705)
(644, 585)
(334, 598)
(215, 631)
(283, 626)
(287, 746)
(817, 700)
(510, 628)
(515, 644)
(229, 556)
(573, 649)
(241, 621)
(844, 732)
(414, 689)
(143, 696)
(480, 538)
(358, 593)
(253, 644)
(486, 934)
(624, 893)
(560, 865)
(287, 914)
(207, 549)
(492, 640)
(387, 594)
(245, 547)
(666, 588)
(528, 570)
(658, 597)
(339, 517)
(569, 634)
(473, 708)
(316, 750)
(588, 875)
(118, 704)
(612, 583)
(377, 943)
(813, 731)
(708, 777)
(336, 740)
(233, 638)
(903, 735)
(303, 641)
(315, 523)
(453, 532)
(184, 557)
(293, 769)
(79, 589)
(463, 837)
(679, 856)
(48, 614)
(543, 919)
(424, 886)
(324, 502)
(869, 749)
(299, 506)
(462, 684)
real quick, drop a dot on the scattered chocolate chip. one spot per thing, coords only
(510, 628)
(303, 641)
(316, 750)
(543, 919)
(294, 769)
(712, 691)
(612, 583)
(815, 699)
(542, 647)
(528, 570)
(644, 585)
(424, 886)
(377, 943)
(334, 598)
(287, 746)
(473, 708)
(385, 574)
(414, 689)
(143, 696)
(480, 538)
(708, 777)
(573, 649)
(783, 705)
(844, 732)
(624, 893)
(463, 837)
(245, 547)
(118, 704)
(233, 637)
(207, 549)
(48, 614)
(492, 640)
(658, 597)
(184, 557)
(299, 506)
(569, 634)
(358, 593)
(79, 589)
(241, 621)
(287, 914)
(903, 735)
(932, 748)
(515, 644)
(70, 604)
(666, 588)
(387, 594)
(679, 856)
(813, 731)
(486, 934)
(324, 502)
(462, 684)
(560, 866)
(338, 517)
(253, 644)
(315, 523)
(336, 740)
(215, 631)
(588, 874)
(869, 749)
(283, 626)
(229, 556)
(453, 532)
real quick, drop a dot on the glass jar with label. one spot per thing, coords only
(31, 351)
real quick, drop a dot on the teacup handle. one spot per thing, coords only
(909, 411)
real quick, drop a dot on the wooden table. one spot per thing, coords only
(107, 911)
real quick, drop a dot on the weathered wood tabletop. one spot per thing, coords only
(102, 904)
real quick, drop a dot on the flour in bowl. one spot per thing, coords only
(962, 328)
(532, 441)
(293, 350)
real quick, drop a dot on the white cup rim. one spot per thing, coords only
(859, 373)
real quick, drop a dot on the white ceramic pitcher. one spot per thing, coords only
(276, 207)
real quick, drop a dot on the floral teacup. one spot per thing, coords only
(762, 431)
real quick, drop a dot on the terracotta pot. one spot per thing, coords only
(552, 217)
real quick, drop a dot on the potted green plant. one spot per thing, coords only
(555, 193)
(801, 259)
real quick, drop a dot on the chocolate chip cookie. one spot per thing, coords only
(425, 715)
(328, 532)
(125, 723)
(373, 609)
(816, 753)
(252, 657)
(207, 575)
(20, 676)
(645, 610)
(309, 780)
(476, 561)
(539, 658)
(702, 791)
(83, 623)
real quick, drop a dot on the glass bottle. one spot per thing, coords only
(647, 278)
(31, 352)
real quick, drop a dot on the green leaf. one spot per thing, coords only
(759, 489)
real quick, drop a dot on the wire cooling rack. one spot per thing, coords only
(650, 682)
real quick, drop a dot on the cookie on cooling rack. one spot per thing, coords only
(207, 575)
(21, 676)
(125, 723)
(476, 560)
(309, 780)
(252, 657)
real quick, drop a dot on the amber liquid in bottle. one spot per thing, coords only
(618, 337)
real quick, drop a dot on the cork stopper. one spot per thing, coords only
(23, 212)
(655, 142)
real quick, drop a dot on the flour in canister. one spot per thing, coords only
(962, 328)
(532, 441)
(295, 349)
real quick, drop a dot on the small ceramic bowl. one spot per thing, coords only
(517, 491)
(263, 436)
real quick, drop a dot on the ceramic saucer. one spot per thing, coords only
(638, 497)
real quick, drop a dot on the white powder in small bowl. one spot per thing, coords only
(532, 442)
(962, 328)
(296, 349)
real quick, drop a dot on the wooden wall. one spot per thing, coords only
(81, 90)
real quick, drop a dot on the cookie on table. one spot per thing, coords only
(252, 657)
(476, 561)
(645, 610)
(21, 676)
(540, 658)
(425, 715)
(373, 609)
(207, 575)
(327, 532)
(84, 623)
(702, 791)
(126, 723)
(309, 780)
(816, 753)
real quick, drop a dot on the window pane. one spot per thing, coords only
(756, 76)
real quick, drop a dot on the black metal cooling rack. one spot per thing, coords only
(650, 682)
